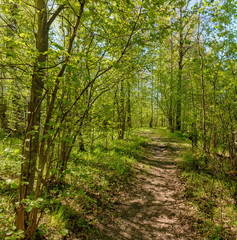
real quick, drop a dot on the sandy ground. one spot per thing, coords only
(152, 208)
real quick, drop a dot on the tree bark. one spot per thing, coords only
(31, 141)
(152, 105)
(203, 89)
(27, 221)
(171, 114)
(180, 69)
(129, 113)
(121, 112)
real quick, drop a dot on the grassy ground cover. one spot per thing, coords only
(209, 189)
(210, 186)
(73, 208)
(94, 177)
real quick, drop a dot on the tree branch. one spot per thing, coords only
(50, 21)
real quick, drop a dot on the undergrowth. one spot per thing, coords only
(210, 187)
(72, 209)
(9, 172)
(210, 193)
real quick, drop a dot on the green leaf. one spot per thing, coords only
(29, 208)
(57, 46)
(14, 185)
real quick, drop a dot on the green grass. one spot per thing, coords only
(211, 194)
(93, 181)
(10, 160)
(208, 189)
(164, 133)
(95, 178)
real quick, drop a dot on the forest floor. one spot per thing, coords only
(152, 207)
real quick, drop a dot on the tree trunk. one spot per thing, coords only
(3, 115)
(152, 107)
(31, 141)
(171, 115)
(81, 142)
(180, 69)
(129, 114)
(121, 112)
(203, 89)
(28, 221)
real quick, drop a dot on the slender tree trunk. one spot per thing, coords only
(81, 142)
(3, 106)
(121, 112)
(214, 135)
(203, 90)
(141, 102)
(10, 33)
(28, 221)
(203, 103)
(129, 114)
(45, 145)
(180, 69)
(17, 111)
(171, 120)
(157, 101)
(152, 105)
(31, 142)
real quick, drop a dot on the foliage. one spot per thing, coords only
(211, 193)
(73, 72)
(92, 183)
(7, 226)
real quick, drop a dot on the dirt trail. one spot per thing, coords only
(152, 208)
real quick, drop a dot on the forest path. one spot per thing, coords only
(152, 208)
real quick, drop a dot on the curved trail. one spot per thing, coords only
(152, 208)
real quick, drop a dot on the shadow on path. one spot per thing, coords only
(152, 209)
